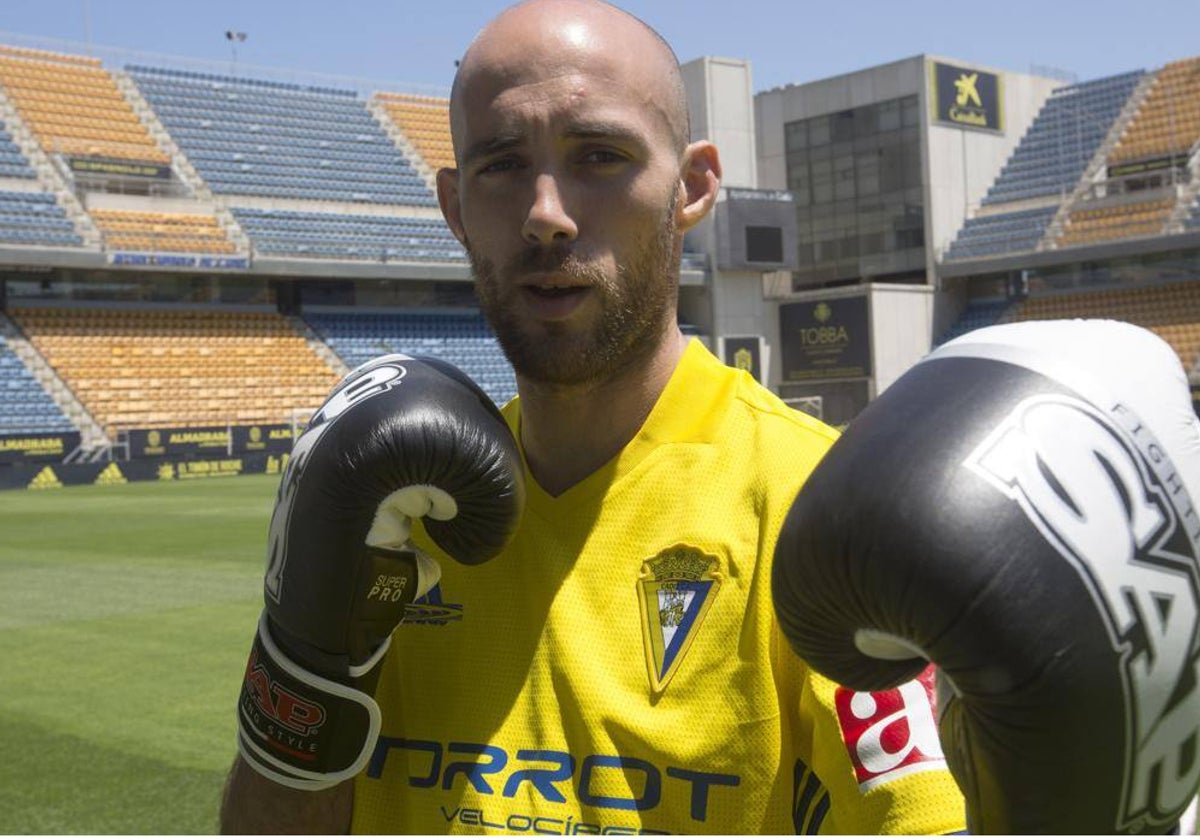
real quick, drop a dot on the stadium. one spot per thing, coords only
(191, 258)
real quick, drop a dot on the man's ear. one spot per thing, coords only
(699, 181)
(447, 193)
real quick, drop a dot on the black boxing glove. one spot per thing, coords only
(398, 439)
(1018, 509)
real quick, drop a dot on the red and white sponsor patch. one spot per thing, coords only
(892, 733)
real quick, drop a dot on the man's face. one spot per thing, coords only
(567, 187)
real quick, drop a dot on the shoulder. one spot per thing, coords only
(776, 425)
(743, 404)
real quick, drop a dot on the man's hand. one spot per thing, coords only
(1020, 509)
(399, 439)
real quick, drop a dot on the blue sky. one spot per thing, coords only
(785, 40)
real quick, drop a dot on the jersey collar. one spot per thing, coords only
(689, 410)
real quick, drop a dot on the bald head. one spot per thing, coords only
(543, 40)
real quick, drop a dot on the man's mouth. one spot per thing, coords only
(552, 291)
(554, 298)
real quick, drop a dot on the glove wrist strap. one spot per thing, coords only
(298, 728)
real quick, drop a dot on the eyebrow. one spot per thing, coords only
(602, 130)
(590, 130)
(491, 146)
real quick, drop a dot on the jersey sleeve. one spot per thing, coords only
(865, 762)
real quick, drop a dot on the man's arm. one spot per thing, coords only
(253, 804)
(341, 571)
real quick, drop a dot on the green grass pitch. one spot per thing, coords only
(126, 614)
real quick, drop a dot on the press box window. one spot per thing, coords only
(764, 244)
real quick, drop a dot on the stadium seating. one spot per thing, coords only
(978, 314)
(1171, 310)
(261, 138)
(1168, 122)
(342, 236)
(13, 164)
(25, 408)
(139, 367)
(1064, 136)
(73, 107)
(425, 121)
(463, 340)
(34, 218)
(1122, 221)
(1001, 233)
(128, 230)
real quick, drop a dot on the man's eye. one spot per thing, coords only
(603, 156)
(497, 166)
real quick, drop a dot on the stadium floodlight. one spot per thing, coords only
(234, 38)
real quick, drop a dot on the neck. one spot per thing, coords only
(568, 432)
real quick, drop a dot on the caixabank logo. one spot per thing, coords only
(966, 97)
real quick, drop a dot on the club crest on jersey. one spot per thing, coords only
(676, 588)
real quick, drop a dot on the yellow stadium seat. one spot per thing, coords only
(162, 368)
(74, 107)
(1164, 123)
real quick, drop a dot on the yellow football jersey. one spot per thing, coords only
(618, 669)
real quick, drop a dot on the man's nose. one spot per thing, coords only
(548, 221)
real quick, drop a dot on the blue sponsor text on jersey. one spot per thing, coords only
(528, 824)
(491, 771)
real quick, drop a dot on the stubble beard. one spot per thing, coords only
(635, 306)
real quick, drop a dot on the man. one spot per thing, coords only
(618, 668)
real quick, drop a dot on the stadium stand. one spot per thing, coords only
(73, 107)
(154, 231)
(165, 367)
(1168, 122)
(34, 218)
(1048, 162)
(13, 164)
(1054, 154)
(1063, 138)
(1001, 233)
(977, 315)
(25, 408)
(425, 121)
(273, 139)
(1172, 311)
(1121, 221)
(344, 236)
(463, 340)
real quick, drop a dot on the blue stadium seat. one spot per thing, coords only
(255, 137)
(340, 236)
(25, 407)
(977, 315)
(463, 339)
(1055, 151)
(34, 218)
(1002, 233)
(13, 164)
